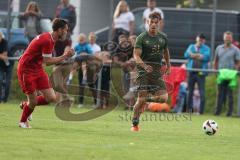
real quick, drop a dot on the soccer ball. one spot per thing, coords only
(210, 127)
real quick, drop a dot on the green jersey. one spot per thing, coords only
(152, 50)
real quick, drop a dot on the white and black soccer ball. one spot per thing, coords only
(210, 127)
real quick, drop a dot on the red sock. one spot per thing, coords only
(26, 113)
(41, 100)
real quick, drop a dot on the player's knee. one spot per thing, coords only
(32, 103)
(163, 98)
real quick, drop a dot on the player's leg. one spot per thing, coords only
(28, 108)
(49, 95)
(159, 89)
(160, 96)
(138, 109)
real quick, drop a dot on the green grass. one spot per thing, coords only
(109, 137)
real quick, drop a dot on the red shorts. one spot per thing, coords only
(30, 82)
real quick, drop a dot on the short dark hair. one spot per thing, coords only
(155, 15)
(122, 36)
(201, 35)
(58, 23)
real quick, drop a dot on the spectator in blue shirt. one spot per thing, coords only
(83, 50)
(198, 56)
(83, 46)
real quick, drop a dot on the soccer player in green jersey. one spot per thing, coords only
(151, 46)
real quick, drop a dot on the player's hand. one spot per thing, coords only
(148, 68)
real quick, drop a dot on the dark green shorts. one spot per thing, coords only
(150, 83)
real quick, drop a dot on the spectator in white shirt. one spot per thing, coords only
(151, 4)
(92, 41)
(123, 21)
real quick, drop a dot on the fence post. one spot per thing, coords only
(214, 15)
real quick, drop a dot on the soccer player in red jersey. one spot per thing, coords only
(32, 78)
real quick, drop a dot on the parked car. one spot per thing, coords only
(182, 26)
(18, 41)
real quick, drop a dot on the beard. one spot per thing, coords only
(228, 43)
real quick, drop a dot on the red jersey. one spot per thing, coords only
(32, 59)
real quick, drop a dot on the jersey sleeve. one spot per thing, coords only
(166, 41)
(47, 49)
(139, 42)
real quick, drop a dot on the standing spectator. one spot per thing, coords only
(198, 56)
(61, 70)
(196, 100)
(67, 11)
(181, 97)
(152, 7)
(31, 20)
(5, 70)
(103, 81)
(82, 49)
(227, 56)
(121, 57)
(123, 21)
(92, 41)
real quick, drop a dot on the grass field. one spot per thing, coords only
(109, 137)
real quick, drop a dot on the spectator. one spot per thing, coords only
(227, 56)
(67, 11)
(123, 21)
(5, 70)
(82, 49)
(129, 97)
(105, 79)
(31, 20)
(121, 57)
(198, 56)
(181, 97)
(196, 100)
(4, 64)
(92, 41)
(151, 4)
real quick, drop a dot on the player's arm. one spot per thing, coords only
(137, 56)
(166, 56)
(53, 60)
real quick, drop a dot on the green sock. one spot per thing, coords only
(135, 121)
